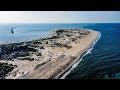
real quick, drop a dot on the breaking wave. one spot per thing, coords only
(87, 52)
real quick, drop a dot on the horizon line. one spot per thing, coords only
(62, 23)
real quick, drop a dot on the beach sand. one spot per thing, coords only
(55, 59)
(56, 67)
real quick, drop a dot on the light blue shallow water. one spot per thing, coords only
(23, 32)
(103, 62)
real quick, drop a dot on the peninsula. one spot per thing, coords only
(47, 58)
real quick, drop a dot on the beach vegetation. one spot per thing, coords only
(60, 31)
(73, 39)
(67, 35)
(42, 47)
(38, 65)
(73, 57)
(63, 45)
(37, 42)
(39, 54)
(49, 38)
(5, 68)
(46, 42)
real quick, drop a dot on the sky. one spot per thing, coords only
(59, 16)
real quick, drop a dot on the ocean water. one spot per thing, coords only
(104, 60)
(102, 63)
(24, 32)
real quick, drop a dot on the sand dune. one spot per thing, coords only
(54, 56)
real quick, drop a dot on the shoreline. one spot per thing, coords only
(28, 40)
(48, 58)
(67, 72)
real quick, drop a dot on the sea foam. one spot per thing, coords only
(87, 52)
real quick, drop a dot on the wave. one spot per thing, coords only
(87, 52)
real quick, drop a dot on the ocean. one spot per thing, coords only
(103, 62)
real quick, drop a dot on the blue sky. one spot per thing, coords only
(59, 16)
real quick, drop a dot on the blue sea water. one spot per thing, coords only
(102, 63)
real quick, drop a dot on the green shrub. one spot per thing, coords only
(5, 68)
(63, 45)
(38, 65)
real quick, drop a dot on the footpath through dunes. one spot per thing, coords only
(58, 66)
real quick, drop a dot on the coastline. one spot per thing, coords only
(72, 67)
(51, 57)
(67, 63)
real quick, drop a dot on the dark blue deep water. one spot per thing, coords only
(102, 63)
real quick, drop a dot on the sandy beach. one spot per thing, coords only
(54, 56)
